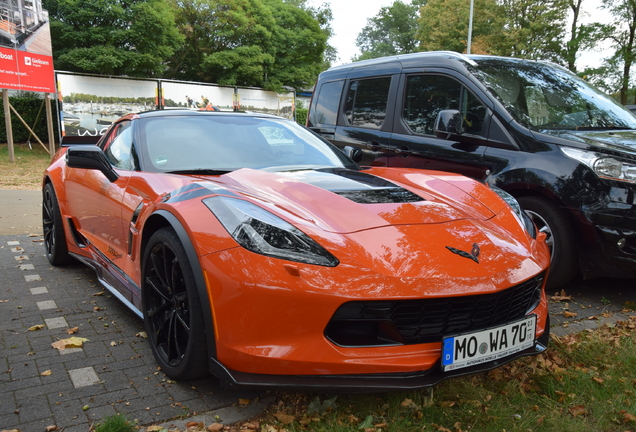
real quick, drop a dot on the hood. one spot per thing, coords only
(344, 201)
(620, 140)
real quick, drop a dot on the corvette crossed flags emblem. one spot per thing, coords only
(473, 254)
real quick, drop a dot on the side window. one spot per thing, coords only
(328, 99)
(118, 146)
(427, 95)
(366, 102)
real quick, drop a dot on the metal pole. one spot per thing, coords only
(49, 124)
(7, 121)
(470, 26)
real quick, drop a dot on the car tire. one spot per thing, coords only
(172, 309)
(55, 246)
(550, 220)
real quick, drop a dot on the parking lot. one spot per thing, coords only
(114, 370)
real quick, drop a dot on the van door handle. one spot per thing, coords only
(373, 146)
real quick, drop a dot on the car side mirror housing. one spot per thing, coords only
(448, 124)
(353, 152)
(89, 157)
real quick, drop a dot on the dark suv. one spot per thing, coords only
(564, 150)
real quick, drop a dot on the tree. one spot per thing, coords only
(582, 36)
(263, 43)
(391, 32)
(443, 25)
(624, 40)
(298, 45)
(132, 37)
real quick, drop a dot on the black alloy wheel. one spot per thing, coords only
(172, 308)
(54, 237)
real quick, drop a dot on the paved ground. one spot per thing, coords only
(115, 371)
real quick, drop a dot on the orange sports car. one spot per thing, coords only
(256, 251)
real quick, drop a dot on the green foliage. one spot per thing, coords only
(623, 36)
(116, 423)
(390, 32)
(443, 25)
(133, 38)
(301, 116)
(262, 43)
(33, 111)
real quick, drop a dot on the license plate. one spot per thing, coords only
(487, 345)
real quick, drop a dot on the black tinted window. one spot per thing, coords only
(327, 104)
(427, 95)
(367, 101)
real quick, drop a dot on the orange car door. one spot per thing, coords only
(96, 203)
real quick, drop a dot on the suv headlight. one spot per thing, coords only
(262, 232)
(524, 219)
(604, 166)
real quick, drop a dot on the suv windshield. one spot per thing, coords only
(541, 96)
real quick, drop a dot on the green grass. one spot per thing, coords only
(584, 382)
(26, 170)
(116, 423)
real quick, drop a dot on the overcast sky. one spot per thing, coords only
(350, 16)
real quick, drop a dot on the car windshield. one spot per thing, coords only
(541, 96)
(214, 144)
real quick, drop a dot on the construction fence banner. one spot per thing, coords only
(88, 104)
(26, 58)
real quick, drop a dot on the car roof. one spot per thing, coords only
(193, 112)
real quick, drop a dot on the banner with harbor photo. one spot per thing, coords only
(89, 104)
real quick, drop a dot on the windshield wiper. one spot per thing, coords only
(201, 171)
(602, 128)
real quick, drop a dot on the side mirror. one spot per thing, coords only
(89, 157)
(448, 124)
(353, 152)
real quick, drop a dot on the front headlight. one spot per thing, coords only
(524, 219)
(262, 232)
(604, 166)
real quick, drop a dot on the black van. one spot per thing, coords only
(564, 150)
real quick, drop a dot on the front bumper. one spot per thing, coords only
(609, 233)
(364, 383)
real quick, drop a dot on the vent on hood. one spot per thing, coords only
(380, 196)
(374, 190)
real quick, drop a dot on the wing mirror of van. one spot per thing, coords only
(448, 124)
(354, 153)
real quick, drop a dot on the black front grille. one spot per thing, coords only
(393, 322)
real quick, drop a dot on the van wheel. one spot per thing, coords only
(172, 308)
(551, 221)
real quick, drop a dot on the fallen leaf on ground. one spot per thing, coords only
(577, 410)
(598, 380)
(72, 330)
(569, 314)
(99, 294)
(74, 342)
(51, 428)
(284, 418)
(244, 402)
(46, 372)
(36, 327)
(142, 334)
(215, 427)
(154, 428)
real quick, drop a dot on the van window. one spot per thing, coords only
(367, 101)
(328, 100)
(427, 95)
